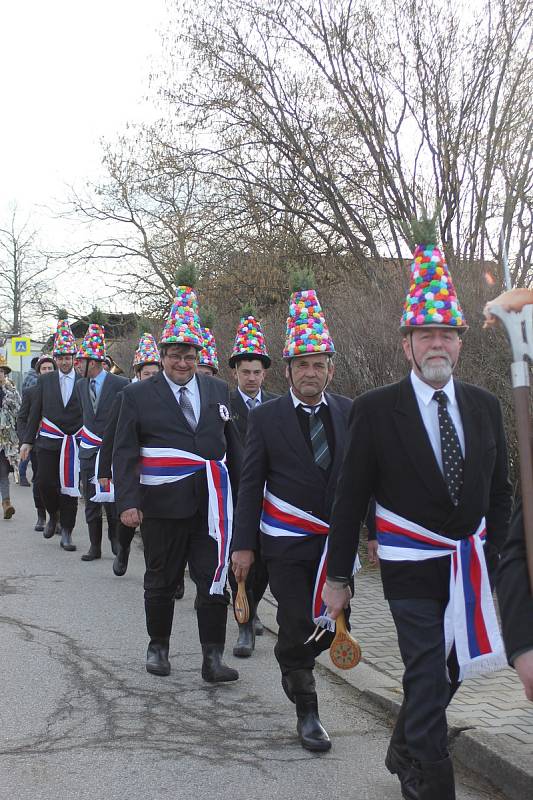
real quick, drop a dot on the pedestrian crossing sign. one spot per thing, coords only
(20, 346)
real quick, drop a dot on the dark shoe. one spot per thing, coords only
(120, 564)
(92, 554)
(50, 528)
(313, 736)
(399, 763)
(66, 540)
(24, 482)
(259, 628)
(9, 510)
(213, 668)
(157, 657)
(246, 641)
(41, 520)
(301, 681)
(437, 781)
(180, 590)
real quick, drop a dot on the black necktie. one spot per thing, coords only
(452, 457)
(319, 440)
(92, 394)
(186, 407)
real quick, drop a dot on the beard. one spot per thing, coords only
(437, 373)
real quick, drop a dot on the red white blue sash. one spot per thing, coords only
(166, 465)
(280, 518)
(89, 439)
(470, 617)
(69, 463)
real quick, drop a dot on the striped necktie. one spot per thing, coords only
(186, 407)
(319, 440)
(92, 394)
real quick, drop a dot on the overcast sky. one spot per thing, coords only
(72, 72)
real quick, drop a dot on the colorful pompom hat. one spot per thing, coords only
(64, 342)
(93, 345)
(208, 353)
(250, 340)
(431, 300)
(307, 330)
(147, 352)
(183, 323)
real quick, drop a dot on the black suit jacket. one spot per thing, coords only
(24, 412)
(277, 454)
(96, 422)
(48, 403)
(514, 594)
(108, 440)
(150, 416)
(389, 456)
(240, 411)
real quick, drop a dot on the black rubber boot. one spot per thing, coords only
(213, 668)
(437, 780)
(41, 520)
(112, 535)
(50, 528)
(180, 590)
(299, 686)
(259, 628)
(66, 540)
(95, 538)
(157, 662)
(246, 641)
(120, 563)
(399, 763)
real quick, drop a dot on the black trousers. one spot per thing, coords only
(37, 499)
(421, 724)
(256, 583)
(292, 583)
(93, 511)
(168, 545)
(50, 489)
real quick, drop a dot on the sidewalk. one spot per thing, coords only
(490, 720)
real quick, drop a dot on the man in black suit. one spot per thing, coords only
(97, 392)
(431, 450)
(43, 365)
(55, 417)
(146, 362)
(250, 363)
(287, 478)
(177, 426)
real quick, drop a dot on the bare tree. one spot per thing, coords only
(25, 289)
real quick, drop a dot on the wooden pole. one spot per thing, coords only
(523, 428)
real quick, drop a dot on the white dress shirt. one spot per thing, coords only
(257, 399)
(66, 384)
(429, 409)
(307, 406)
(193, 393)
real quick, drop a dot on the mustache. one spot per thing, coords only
(437, 354)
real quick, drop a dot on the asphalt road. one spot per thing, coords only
(80, 718)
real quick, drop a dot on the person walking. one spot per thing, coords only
(9, 451)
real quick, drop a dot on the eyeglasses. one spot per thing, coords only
(189, 360)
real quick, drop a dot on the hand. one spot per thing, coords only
(513, 300)
(132, 517)
(373, 557)
(336, 599)
(241, 561)
(105, 485)
(25, 451)
(524, 666)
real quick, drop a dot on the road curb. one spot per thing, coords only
(473, 748)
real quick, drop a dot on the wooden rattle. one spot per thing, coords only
(241, 609)
(344, 651)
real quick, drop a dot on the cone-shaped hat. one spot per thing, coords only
(208, 353)
(93, 345)
(431, 300)
(147, 351)
(250, 339)
(64, 342)
(307, 330)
